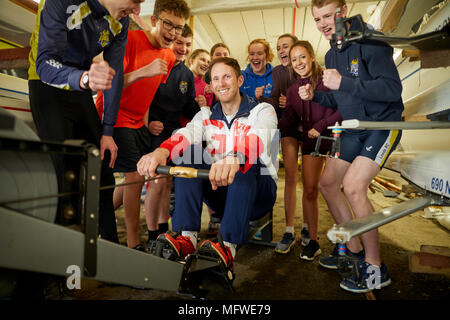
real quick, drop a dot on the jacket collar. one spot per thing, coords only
(249, 71)
(247, 104)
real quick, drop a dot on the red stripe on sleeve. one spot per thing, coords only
(176, 144)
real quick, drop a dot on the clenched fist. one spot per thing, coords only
(332, 79)
(259, 92)
(148, 163)
(155, 68)
(156, 127)
(306, 92)
(101, 76)
(201, 100)
(223, 171)
(313, 133)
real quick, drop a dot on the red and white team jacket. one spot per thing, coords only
(252, 132)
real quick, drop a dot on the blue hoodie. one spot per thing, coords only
(252, 81)
(370, 88)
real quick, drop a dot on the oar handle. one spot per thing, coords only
(183, 172)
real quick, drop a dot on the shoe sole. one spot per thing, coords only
(287, 250)
(332, 267)
(209, 245)
(327, 266)
(382, 285)
(313, 257)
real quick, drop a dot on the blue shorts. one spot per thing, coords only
(373, 144)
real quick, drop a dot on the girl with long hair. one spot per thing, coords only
(308, 120)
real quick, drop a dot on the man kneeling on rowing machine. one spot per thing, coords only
(239, 134)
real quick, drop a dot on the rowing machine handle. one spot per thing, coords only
(183, 172)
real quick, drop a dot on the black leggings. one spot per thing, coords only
(61, 115)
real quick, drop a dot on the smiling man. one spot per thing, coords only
(147, 63)
(67, 36)
(238, 133)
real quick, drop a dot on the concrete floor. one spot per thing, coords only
(263, 275)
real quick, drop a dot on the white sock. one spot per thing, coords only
(305, 225)
(193, 235)
(232, 247)
(290, 229)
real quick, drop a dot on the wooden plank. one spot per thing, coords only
(444, 251)
(15, 64)
(410, 53)
(423, 262)
(435, 59)
(27, 4)
(390, 179)
(388, 184)
(14, 54)
(391, 15)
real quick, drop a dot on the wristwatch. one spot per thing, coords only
(241, 157)
(85, 81)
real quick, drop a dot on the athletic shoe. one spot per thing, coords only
(182, 245)
(310, 251)
(216, 250)
(304, 235)
(331, 262)
(371, 277)
(286, 243)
